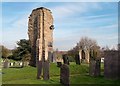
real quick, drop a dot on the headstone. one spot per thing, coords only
(65, 59)
(46, 70)
(50, 56)
(94, 67)
(119, 62)
(77, 59)
(26, 63)
(64, 74)
(111, 65)
(6, 64)
(59, 64)
(39, 69)
(54, 57)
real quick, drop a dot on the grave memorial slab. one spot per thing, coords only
(65, 59)
(77, 59)
(59, 64)
(112, 65)
(6, 64)
(64, 75)
(94, 65)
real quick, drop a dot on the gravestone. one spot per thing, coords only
(59, 64)
(77, 59)
(94, 67)
(64, 75)
(50, 56)
(39, 69)
(111, 65)
(54, 57)
(46, 70)
(65, 59)
(6, 63)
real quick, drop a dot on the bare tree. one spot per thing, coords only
(87, 43)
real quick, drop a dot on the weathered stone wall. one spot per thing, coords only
(112, 65)
(40, 31)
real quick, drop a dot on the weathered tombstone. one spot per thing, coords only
(77, 59)
(65, 59)
(59, 64)
(64, 75)
(94, 65)
(54, 57)
(111, 65)
(46, 70)
(50, 56)
(6, 64)
(39, 69)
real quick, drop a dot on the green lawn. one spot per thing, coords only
(27, 75)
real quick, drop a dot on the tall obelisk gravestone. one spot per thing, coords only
(40, 31)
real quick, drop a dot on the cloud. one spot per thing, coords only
(70, 28)
(104, 35)
(66, 10)
(71, 24)
(17, 31)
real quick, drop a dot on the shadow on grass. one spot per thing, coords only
(16, 67)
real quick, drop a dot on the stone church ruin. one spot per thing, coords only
(40, 32)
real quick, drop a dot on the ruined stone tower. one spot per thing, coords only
(40, 32)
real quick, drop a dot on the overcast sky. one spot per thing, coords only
(72, 20)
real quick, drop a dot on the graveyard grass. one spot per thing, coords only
(78, 75)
